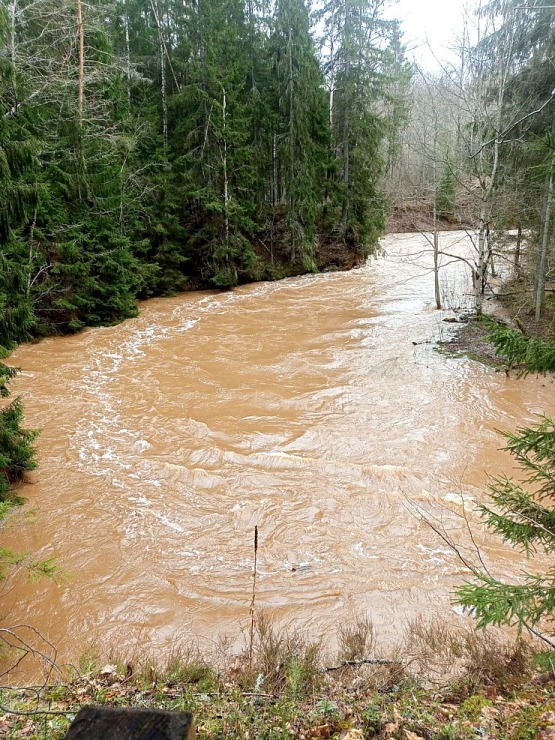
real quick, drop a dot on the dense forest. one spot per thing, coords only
(150, 146)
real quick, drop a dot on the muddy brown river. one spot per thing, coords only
(316, 408)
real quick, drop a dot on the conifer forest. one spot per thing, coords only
(150, 146)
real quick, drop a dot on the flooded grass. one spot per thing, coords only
(471, 340)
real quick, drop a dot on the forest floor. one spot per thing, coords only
(418, 217)
(499, 695)
(471, 340)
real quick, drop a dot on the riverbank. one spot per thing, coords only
(512, 306)
(471, 340)
(418, 218)
(291, 689)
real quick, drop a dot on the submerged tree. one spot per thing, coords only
(523, 514)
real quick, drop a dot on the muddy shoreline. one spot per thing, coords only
(471, 340)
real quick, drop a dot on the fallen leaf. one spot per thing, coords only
(29, 730)
(491, 692)
(548, 717)
(352, 735)
(412, 735)
(320, 731)
(108, 670)
(548, 734)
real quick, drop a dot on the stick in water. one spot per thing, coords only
(253, 593)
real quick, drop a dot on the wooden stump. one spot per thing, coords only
(123, 723)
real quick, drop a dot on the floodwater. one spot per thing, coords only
(316, 408)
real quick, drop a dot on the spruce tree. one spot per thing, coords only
(359, 61)
(212, 162)
(299, 137)
(17, 452)
(525, 353)
(522, 513)
(19, 196)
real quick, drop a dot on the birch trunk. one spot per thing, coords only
(539, 293)
(127, 50)
(81, 87)
(13, 14)
(224, 166)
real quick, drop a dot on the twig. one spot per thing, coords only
(34, 712)
(364, 661)
(538, 634)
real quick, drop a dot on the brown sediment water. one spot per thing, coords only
(316, 408)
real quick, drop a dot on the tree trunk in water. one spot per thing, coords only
(224, 164)
(517, 249)
(539, 293)
(436, 270)
(436, 260)
(480, 275)
(490, 252)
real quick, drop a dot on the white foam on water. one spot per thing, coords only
(164, 518)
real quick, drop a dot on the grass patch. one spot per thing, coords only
(286, 692)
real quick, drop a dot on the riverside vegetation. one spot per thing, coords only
(440, 683)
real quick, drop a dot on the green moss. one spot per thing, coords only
(471, 708)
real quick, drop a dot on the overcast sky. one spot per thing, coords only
(438, 21)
